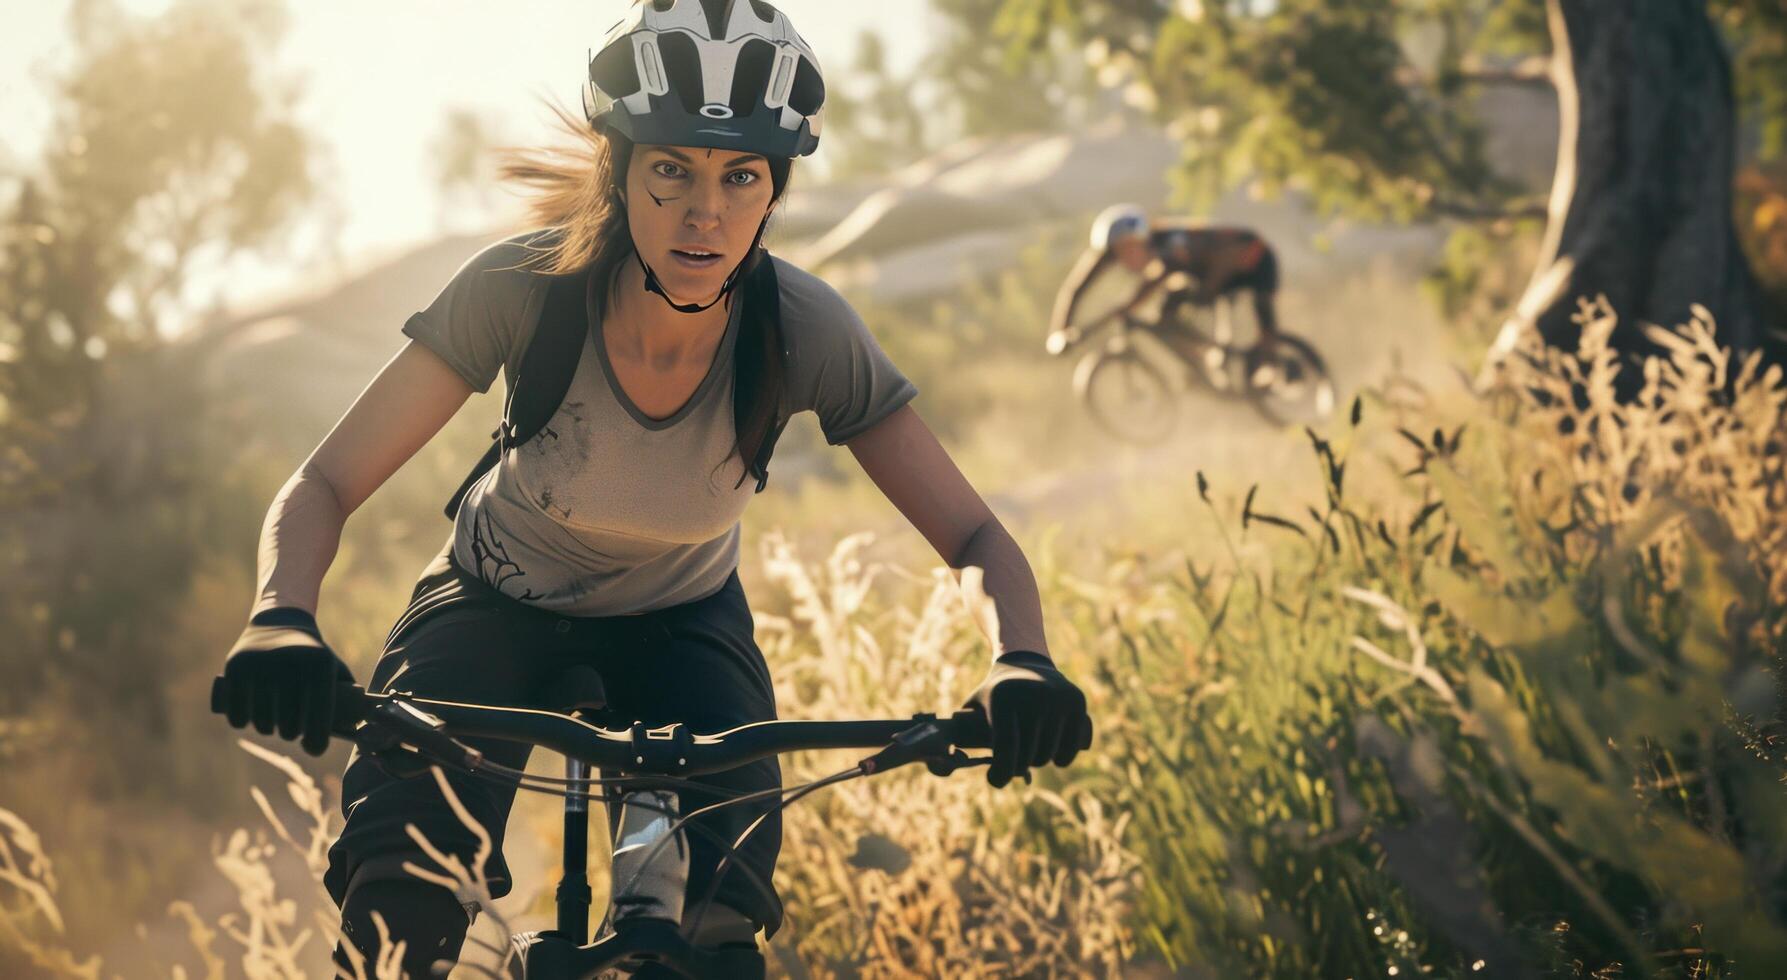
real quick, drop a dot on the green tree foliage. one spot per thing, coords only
(993, 89)
(170, 148)
(1323, 97)
(968, 85)
(1757, 31)
(1331, 99)
(1370, 107)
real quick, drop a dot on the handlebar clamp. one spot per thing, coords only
(661, 750)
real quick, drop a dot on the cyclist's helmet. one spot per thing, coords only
(725, 74)
(1116, 223)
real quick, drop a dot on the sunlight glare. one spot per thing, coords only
(146, 9)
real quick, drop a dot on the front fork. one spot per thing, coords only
(650, 874)
(573, 885)
(650, 870)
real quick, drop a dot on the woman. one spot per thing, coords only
(611, 537)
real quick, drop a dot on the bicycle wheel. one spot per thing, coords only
(1210, 361)
(1289, 383)
(1127, 396)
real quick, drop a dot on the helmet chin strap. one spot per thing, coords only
(652, 285)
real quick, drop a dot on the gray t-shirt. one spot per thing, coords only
(608, 511)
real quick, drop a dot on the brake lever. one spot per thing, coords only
(934, 742)
(957, 760)
(394, 725)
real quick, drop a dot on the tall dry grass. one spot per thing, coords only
(268, 936)
(911, 874)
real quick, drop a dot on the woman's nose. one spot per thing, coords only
(705, 206)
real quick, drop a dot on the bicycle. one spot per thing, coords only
(646, 921)
(1129, 395)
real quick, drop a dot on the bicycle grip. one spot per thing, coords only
(346, 712)
(349, 708)
(971, 730)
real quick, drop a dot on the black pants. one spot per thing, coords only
(696, 663)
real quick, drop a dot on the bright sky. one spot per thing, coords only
(379, 76)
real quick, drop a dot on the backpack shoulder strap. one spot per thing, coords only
(550, 361)
(762, 318)
(541, 378)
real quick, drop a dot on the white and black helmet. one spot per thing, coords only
(726, 74)
(1118, 222)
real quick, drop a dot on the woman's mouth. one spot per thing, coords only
(695, 258)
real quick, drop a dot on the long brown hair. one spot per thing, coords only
(576, 191)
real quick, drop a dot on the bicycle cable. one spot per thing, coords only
(728, 849)
(726, 863)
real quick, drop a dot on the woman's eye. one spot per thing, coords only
(742, 177)
(666, 169)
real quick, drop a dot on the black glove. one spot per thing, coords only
(281, 675)
(1037, 715)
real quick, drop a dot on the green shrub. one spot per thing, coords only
(1520, 719)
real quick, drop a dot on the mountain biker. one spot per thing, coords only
(1220, 263)
(611, 537)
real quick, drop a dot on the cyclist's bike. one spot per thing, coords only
(647, 922)
(1134, 396)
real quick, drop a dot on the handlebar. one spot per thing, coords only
(382, 722)
(1065, 340)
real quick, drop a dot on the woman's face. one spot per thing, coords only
(694, 213)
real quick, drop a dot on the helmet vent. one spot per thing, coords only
(615, 72)
(750, 80)
(717, 11)
(808, 93)
(682, 69)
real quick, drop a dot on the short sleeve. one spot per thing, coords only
(835, 367)
(477, 321)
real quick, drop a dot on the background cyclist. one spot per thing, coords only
(612, 538)
(1189, 264)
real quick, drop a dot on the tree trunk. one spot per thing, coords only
(1641, 207)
